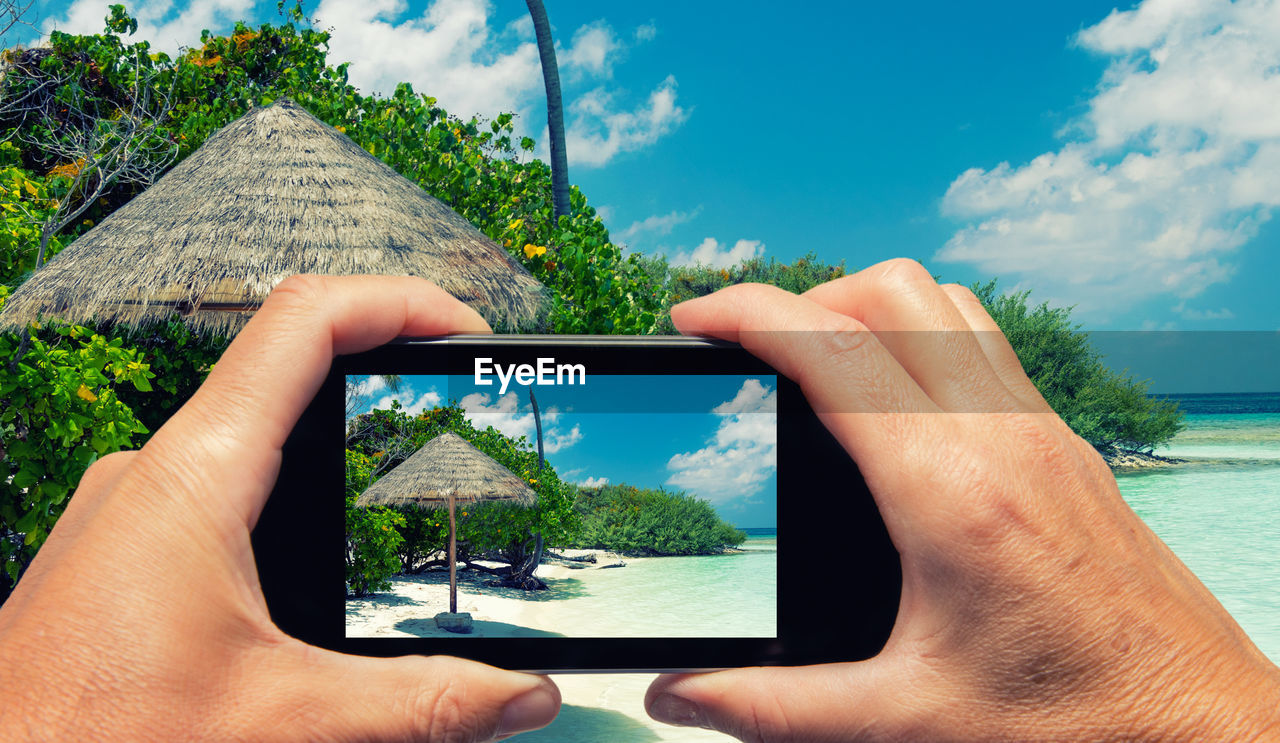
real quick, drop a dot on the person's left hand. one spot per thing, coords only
(142, 617)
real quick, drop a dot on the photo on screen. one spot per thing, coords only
(628, 506)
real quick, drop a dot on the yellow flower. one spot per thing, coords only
(342, 129)
(70, 170)
(242, 40)
(86, 394)
(530, 250)
(505, 243)
(516, 224)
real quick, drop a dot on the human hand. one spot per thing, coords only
(142, 618)
(1035, 604)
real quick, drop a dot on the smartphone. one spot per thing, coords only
(689, 511)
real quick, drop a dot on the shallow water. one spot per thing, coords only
(1220, 513)
(732, 595)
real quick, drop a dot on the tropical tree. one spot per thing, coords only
(98, 118)
(555, 110)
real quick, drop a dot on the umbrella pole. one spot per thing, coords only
(453, 566)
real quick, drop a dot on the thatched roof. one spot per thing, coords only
(274, 193)
(447, 463)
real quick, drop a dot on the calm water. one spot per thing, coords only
(712, 596)
(1220, 512)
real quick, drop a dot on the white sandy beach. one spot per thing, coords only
(596, 707)
(409, 608)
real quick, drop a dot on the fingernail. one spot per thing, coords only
(675, 710)
(529, 711)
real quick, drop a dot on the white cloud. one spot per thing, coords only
(594, 482)
(742, 454)
(505, 415)
(415, 403)
(658, 224)
(370, 385)
(1191, 313)
(448, 51)
(453, 50)
(646, 32)
(594, 50)
(1174, 167)
(711, 253)
(752, 397)
(167, 27)
(425, 401)
(600, 131)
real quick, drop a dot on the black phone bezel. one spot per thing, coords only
(839, 576)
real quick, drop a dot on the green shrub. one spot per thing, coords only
(1109, 410)
(690, 282)
(635, 521)
(60, 410)
(373, 535)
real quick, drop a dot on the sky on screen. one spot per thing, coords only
(711, 436)
(1125, 162)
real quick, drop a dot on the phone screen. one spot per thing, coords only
(655, 500)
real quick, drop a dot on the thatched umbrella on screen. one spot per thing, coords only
(274, 193)
(445, 471)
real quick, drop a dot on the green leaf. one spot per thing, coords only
(28, 475)
(28, 522)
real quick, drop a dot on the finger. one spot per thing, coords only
(839, 364)
(845, 373)
(240, 417)
(1001, 356)
(834, 702)
(913, 318)
(410, 698)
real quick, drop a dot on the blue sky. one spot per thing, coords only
(711, 436)
(1125, 162)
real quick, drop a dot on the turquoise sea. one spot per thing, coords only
(731, 595)
(1220, 511)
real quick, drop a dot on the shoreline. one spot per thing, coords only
(1123, 460)
(408, 609)
(585, 597)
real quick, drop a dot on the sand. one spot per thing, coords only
(600, 707)
(409, 608)
(595, 707)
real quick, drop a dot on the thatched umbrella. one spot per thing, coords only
(274, 193)
(448, 469)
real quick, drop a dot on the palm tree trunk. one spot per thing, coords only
(537, 420)
(555, 109)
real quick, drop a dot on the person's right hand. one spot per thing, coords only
(1035, 604)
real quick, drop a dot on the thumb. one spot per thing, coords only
(833, 702)
(412, 698)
